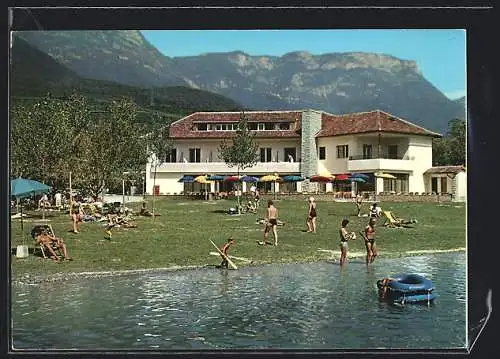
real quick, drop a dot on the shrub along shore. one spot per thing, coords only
(179, 237)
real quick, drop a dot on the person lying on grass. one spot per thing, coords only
(51, 242)
(117, 221)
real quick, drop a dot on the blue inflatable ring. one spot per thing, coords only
(406, 283)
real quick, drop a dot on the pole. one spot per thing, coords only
(123, 194)
(70, 191)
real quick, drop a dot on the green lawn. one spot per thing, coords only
(180, 236)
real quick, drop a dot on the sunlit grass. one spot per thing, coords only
(180, 236)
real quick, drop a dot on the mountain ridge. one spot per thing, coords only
(333, 82)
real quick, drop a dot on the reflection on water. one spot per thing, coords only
(312, 305)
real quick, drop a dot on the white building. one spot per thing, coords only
(447, 179)
(303, 143)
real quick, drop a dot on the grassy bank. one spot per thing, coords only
(180, 236)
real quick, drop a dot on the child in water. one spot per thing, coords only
(225, 249)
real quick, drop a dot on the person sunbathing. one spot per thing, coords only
(52, 243)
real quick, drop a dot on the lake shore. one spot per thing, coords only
(30, 279)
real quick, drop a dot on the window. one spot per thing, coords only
(172, 157)
(218, 127)
(343, 151)
(290, 154)
(265, 155)
(393, 151)
(252, 126)
(261, 126)
(434, 184)
(284, 126)
(367, 152)
(444, 185)
(322, 153)
(202, 127)
(194, 155)
(269, 126)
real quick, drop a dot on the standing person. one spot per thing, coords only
(272, 222)
(311, 216)
(344, 238)
(359, 200)
(257, 197)
(369, 236)
(225, 249)
(76, 213)
(58, 200)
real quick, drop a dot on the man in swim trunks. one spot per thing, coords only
(225, 249)
(272, 222)
(369, 236)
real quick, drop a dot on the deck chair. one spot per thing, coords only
(38, 230)
(394, 221)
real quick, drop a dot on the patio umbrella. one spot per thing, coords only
(202, 180)
(249, 179)
(360, 175)
(319, 178)
(271, 178)
(357, 179)
(341, 177)
(22, 188)
(384, 175)
(215, 178)
(232, 179)
(292, 178)
(186, 179)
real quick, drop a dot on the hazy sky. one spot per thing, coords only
(440, 54)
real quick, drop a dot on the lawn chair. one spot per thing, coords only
(393, 221)
(37, 230)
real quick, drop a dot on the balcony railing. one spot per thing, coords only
(381, 156)
(223, 168)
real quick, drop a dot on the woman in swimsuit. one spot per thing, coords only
(344, 238)
(369, 235)
(311, 216)
(76, 215)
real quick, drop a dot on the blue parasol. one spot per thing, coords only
(293, 178)
(186, 179)
(360, 175)
(249, 179)
(216, 178)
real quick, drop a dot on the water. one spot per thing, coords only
(304, 306)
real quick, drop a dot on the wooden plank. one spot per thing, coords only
(233, 257)
(224, 256)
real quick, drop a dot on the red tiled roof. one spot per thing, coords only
(331, 125)
(445, 169)
(183, 127)
(363, 122)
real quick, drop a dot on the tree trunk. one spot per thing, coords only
(238, 189)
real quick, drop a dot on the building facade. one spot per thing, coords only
(303, 143)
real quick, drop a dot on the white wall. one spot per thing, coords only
(461, 187)
(209, 148)
(420, 149)
(168, 182)
(331, 163)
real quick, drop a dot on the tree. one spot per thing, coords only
(159, 147)
(450, 150)
(242, 152)
(111, 146)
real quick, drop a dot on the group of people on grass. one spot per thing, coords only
(368, 234)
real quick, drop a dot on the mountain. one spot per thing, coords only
(33, 74)
(336, 82)
(460, 101)
(120, 56)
